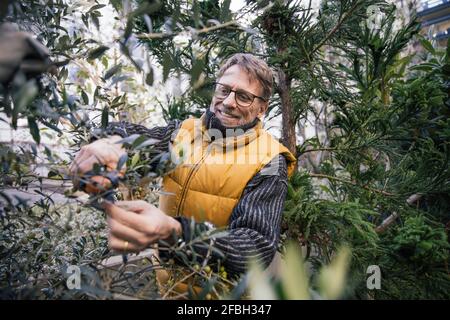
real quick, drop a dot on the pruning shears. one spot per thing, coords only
(101, 191)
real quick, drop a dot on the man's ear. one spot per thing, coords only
(262, 109)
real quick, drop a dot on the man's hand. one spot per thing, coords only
(134, 225)
(105, 152)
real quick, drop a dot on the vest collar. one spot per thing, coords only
(239, 136)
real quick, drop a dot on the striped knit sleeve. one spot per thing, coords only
(254, 228)
(126, 129)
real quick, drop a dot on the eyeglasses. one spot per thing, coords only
(243, 98)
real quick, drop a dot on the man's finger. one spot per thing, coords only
(128, 218)
(87, 164)
(121, 245)
(124, 232)
(82, 156)
(136, 206)
(73, 168)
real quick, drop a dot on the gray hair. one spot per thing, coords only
(256, 68)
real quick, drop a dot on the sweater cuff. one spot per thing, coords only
(112, 130)
(191, 229)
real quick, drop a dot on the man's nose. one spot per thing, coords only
(230, 101)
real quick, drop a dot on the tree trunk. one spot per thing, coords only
(287, 112)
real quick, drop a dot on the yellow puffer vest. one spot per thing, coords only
(211, 177)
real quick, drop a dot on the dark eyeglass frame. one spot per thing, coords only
(253, 96)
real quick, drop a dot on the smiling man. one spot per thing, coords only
(244, 196)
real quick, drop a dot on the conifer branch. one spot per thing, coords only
(336, 28)
(391, 219)
(324, 176)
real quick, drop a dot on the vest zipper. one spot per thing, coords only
(191, 173)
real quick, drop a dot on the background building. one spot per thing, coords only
(435, 18)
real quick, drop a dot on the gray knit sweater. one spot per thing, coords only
(254, 226)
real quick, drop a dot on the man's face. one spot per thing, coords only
(227, 110)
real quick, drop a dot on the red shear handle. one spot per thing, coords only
(97, 184)
(93, 183)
